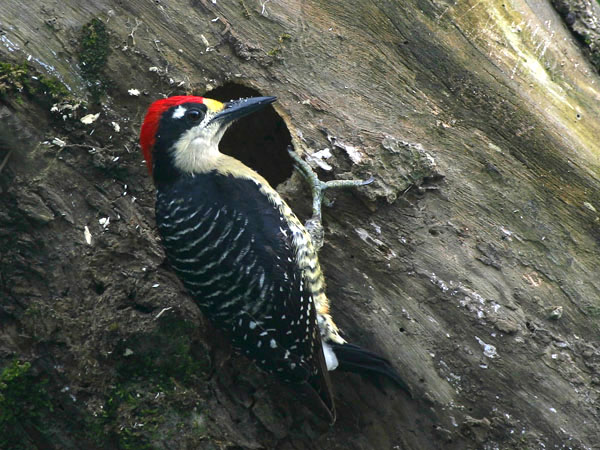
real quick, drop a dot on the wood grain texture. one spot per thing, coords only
(479, 121)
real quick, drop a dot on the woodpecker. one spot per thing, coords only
(240, 251)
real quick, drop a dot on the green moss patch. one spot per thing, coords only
(23, 403)
(93, 54)
(17, 80)
(13, 77)
(155, 396)
(164, 357)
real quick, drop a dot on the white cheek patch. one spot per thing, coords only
(197, 149)
(179, 112)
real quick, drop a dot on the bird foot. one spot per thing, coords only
(314, 225)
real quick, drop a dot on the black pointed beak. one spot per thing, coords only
(236, 109)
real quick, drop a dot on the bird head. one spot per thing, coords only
(182, 134)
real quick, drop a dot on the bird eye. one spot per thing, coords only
(193, 115)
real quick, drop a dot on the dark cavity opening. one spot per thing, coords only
(259, 140)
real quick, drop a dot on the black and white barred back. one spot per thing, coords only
(235, 254)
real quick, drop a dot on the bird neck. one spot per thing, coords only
(195, 154)
(203, 158)
(228, 165)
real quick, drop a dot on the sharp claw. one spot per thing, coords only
(368, 181)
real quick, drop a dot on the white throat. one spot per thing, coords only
(197, 150)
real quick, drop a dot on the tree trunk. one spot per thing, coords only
(471, 262)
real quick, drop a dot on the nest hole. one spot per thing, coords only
(259, 140)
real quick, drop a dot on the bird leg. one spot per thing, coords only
(314, 225)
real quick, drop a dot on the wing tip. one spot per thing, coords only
(321, 384)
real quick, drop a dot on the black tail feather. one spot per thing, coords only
(321, 384)
(353, 358)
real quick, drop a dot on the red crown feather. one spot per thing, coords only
(152, 119)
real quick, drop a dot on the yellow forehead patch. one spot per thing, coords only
(213, 105)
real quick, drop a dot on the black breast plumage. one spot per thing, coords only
(235, 255)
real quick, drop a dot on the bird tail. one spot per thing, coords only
(353, 358)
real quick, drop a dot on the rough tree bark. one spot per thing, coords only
(471, 262)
